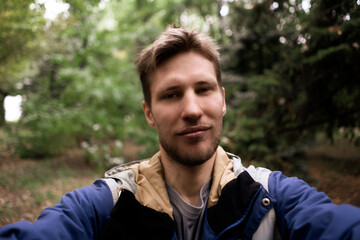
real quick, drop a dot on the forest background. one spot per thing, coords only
(290, 69)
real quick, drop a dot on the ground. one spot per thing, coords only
(336, 171)
(28, 186)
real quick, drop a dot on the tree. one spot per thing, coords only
(327, 73)
(297, 74)
(84, 90)
(19, 27)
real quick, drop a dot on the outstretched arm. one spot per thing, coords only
(304, 213)
(79, 215)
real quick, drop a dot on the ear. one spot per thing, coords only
(224, 107)
(148, 115)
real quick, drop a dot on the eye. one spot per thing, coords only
(202, 90)
(170, 95)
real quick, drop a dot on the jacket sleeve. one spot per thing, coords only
(79, 215)
(304, 213)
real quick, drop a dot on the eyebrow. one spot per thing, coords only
(176, 85)
(203, 82)
(170, 88)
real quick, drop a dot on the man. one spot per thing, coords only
(191, 188)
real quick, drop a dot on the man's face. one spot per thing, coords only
(187, 108)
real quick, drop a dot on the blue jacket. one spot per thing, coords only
(244, 203)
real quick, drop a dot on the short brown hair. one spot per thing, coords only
(173, 41)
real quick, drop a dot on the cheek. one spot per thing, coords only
(217, 109)
(165, 118)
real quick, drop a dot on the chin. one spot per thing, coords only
(193, 157)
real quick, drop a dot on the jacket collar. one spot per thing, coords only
(222, 174)
(151, 191)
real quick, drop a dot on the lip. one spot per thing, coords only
(195, 131)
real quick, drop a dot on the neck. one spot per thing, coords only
(187, 180)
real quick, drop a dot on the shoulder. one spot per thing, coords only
(128, 176)
(259, 174)
(281, 186)
(122, 177)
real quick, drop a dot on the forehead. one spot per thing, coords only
(183, 68)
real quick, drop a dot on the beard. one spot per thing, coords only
(191, 158)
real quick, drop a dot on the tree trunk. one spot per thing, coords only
(2, 108)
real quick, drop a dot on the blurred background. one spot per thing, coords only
(70, 98)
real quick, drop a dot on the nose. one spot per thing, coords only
(191, 107)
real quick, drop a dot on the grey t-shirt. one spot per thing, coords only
(188, 218)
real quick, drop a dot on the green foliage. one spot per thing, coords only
(288, 74)
(84, 90)
(299, 76)
(19, 28)
(249, 121)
